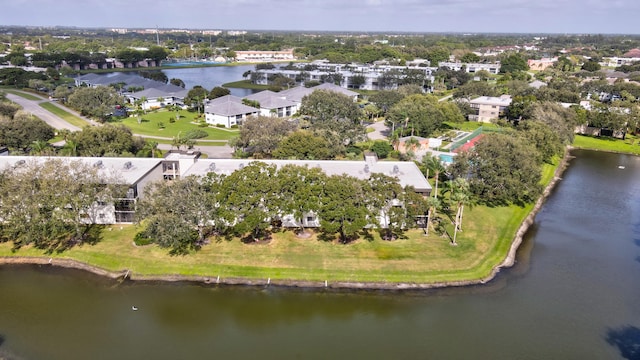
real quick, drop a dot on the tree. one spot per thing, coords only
(385, 99)
(97, 102)
(421, 115)
(591, 65)
(388, 200)
(251, 198)
(460, 196)
(346, 208)
(106, 140)
(58, 198)
(501, 169)
(217, 92)
(260, 135)
(562, 121)
(303, 145)
(382, 148)
(195, 96)
(178, 215)
(433, 165)
(469, 58)
(300, 190)
(546, 141)
(335, 114)
(21, 131)
(177, 82)
(474, 89)
(513, 63)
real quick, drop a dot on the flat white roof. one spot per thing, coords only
(110, 167)
(406, 172)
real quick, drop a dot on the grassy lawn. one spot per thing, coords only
(631, 145)
(22, 94)
(150, 126)
(245, 84)
(64, 115)
(470, 125)
(483, 244)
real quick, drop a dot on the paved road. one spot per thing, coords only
(380, 131)
(33, 107)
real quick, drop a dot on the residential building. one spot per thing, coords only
(134, 173)
(156, 94)
(489, 108)
(492, 68)
(138, 173)
(541, 64)
(228, 111)
(350, 76)
(265, 56)
(273, 104)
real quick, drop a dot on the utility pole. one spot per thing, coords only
(157, 36)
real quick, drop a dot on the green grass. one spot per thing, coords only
(470, 125)
(64, 115)
(151, 121)
(245, 84)
(483, 244)
(631, 145)
(22, 94)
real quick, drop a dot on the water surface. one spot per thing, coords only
(573, 294)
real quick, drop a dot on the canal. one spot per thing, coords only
(573, 294)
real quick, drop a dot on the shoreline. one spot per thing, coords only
(125, 274)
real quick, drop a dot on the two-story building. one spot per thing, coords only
(489, 108)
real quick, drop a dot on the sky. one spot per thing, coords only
(461, 16)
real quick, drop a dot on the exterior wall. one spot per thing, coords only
(487, 113)
(227, 121)
(471, 67)
(541, 64)
(258, 56)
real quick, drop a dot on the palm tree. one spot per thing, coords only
(151, 148)
(460, 195)
(433, 204)
(70, 148)
(435, 166)
(39, 147)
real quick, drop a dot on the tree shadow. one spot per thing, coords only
(627, 340)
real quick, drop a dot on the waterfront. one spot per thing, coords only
(572, 292)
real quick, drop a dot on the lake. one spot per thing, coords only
(210, 77)
(573, 294)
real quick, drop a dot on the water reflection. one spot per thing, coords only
(627, 340)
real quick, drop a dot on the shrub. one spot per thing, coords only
(196, 134)
(142, 239)
(220, 125)
(172, 120)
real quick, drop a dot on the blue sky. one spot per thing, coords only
(468, 16)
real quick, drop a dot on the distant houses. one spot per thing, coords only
(265, 56)
(155, 94)
(350, 76)
(232, 110)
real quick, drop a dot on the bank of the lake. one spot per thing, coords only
(630, 145)
(489, 241)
